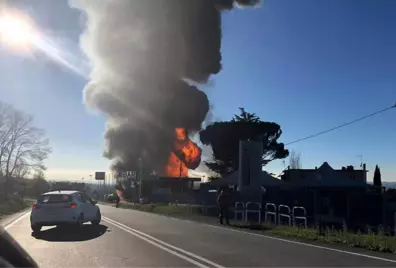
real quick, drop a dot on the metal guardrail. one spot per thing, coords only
(253, 211)
(284, 215)
(267, 212)
(304, 217)
(239, 210)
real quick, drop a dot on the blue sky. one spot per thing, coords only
(308, 65)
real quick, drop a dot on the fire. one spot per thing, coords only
(186, 155)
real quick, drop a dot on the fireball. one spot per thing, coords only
(186, 155)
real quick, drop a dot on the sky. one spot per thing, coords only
(307, 65)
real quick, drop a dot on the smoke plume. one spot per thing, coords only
(147, 57)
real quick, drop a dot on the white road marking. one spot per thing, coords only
(303, 244)
(277, 238)
(9, 225)
(165, 246)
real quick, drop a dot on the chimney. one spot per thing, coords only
(364, 173)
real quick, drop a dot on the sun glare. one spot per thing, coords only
(16, 31)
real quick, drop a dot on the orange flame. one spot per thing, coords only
(186, 155)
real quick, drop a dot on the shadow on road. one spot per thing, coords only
(70, 234)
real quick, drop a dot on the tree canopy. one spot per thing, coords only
(23, 147)
(224, 137)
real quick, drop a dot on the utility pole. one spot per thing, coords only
(180, 168)
(361, 160)
(140, 177)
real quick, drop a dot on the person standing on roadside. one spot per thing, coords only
(117, 200)
(223, 202)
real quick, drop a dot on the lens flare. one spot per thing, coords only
(16, 31)
(20, 34)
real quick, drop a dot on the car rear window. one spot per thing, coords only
(55, 198)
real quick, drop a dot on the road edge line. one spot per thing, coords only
(284, 240)
(301, 243)
(175, 253)
(272, 237)
(12, 223)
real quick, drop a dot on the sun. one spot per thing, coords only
(16, 31)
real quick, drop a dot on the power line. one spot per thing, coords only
(342, 125)
(337, 127)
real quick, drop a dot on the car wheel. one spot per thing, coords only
(80, 221)
(98, 219)
(36, 228)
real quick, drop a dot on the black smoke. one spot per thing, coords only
(147, 57)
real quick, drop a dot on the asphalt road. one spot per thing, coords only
(130, 238)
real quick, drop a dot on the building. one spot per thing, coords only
(232, 180)
(334, 196)
(326, 176)
(162, 189)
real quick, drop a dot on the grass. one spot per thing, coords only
(13, 205)
(376, 242)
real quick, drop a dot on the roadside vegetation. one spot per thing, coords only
(23, 149)
(375, 242)
(14, 205)
(381, 242)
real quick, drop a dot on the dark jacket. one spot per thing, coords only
(224, 199)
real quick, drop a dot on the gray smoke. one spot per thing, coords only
(147, 57)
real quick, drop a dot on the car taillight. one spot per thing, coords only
(73, 205)
(34, 206)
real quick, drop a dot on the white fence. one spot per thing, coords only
(298, 216)
(284, 212)
(239, 210)
(253, 208)
(394, 222)
(275, 214)
(272, 213)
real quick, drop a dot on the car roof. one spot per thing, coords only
(67, 192)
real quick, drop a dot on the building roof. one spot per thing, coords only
(232, 179)
(326, 176)
(61, 192)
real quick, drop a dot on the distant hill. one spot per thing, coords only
(389, 184)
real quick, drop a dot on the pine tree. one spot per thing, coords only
(377, 177)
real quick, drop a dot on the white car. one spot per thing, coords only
(63, 208)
